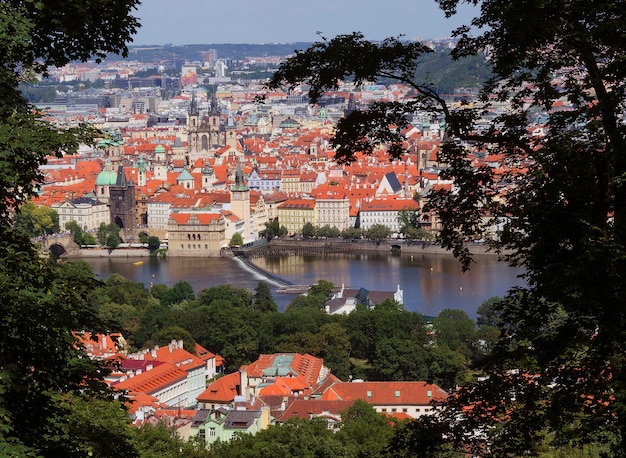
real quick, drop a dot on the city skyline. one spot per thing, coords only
(278, 21)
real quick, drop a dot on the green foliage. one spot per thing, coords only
(447, 74)
(379, 232)
(455, 330)
(352, 233)
(76, 230)
(37, 221)
(273, 229)
(301, 438)
(263, 300)
(390, 304)
(161, 441)
(85, 434)
(153, 319)
(424, 437)
(38, 94)
(328, 62)
(563, 212)
(410, 225)
(42, 303)
(308, 230)
(165, 336)
(237, 297)
(109, 235)
(236, 240)
(365, 431)
(179, 292)
(154, 243)
(327, 231)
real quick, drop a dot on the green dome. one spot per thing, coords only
(142, 164)
(159, 149)
(107, 177)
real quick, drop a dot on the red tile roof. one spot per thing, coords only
(386, 393)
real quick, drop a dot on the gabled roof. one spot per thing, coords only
(222, 391)
(310, 408)
(241, 419)
(310, 368)
(386, 393)
(154, 380)
(177, 356)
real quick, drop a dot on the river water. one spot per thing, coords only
(431, 282)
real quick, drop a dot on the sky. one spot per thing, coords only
(181, 22)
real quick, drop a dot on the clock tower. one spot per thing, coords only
(240, 202)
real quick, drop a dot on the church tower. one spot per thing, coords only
(160, 163)
(240, 202)
(208, 176)
(193, 126)
(122, 204)
(142, 170)
(231, 132)
(214, 123)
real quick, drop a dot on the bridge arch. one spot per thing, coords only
(57, 250)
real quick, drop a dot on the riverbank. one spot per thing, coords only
(117, 253)
(296, 247)
(299, 246)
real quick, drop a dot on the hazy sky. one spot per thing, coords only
(277, 21)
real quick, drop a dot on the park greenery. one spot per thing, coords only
(555, 372)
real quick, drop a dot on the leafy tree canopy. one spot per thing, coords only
(563, 212)
(40, 361)
(236, 240)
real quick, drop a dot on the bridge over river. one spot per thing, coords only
(58, 245)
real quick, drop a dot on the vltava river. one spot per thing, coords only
(431, 282)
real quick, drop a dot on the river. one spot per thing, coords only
(431, 282)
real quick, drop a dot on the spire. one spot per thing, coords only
(240, 185)
(193, 105)
(214, 108)
(207, 170)
(121, 177)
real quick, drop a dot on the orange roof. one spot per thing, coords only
(202, 218)
(308, 408)
(389, 205)
(386, 393)
(154, 380)
(179, 357)
(221, 391)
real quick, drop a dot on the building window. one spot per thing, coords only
(212, 432)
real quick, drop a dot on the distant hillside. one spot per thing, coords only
(438, 67)
(224, 51)
(447, 74)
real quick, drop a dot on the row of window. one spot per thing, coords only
(193, 246)
(404, 410)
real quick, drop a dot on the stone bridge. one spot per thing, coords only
(59, 245)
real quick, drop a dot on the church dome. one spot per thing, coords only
(107, 177)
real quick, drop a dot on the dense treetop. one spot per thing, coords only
(558, 193)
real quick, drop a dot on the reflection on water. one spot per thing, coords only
(431, 282)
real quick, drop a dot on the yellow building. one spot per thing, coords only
(295, 213)
(196, 234)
